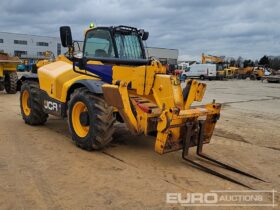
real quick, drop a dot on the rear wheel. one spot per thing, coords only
(202, 77)
(10, 82)
(253, 77)
(90, 120)
(31, 109)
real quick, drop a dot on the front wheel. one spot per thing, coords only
(90, 120)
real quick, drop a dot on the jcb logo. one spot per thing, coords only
(51, 105)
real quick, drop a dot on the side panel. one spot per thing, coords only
(52, 106)
(141, 78)
(52, 77)
(196, 70)
(56, 78)
(131, 74)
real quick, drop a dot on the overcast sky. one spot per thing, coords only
(249, 28)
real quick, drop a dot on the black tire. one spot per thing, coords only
(2, 87)
(100, 120)
(37, 116)
(202, 77)
(253, 77)
(10, 82)
(248, 75)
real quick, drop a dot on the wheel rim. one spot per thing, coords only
(25, 107)
(77, 110)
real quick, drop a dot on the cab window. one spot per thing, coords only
(128, 46)
(98, 44)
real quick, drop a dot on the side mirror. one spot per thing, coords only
(66, 36)
(145, 36)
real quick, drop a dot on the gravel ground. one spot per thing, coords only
(40, 167)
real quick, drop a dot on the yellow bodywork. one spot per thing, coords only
(57, 77)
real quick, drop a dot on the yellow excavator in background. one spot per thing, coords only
(211, 58)
(222, 70)
(112, 79)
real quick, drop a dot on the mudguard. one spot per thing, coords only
(29, 76)
(95, 86)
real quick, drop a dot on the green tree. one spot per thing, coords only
(248, 63)
(274, 63)
(264, 61)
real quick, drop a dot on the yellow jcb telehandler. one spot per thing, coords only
(113, 80)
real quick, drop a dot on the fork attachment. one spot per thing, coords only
(200, 138)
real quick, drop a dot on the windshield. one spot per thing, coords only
(99, 44)
(128, 46)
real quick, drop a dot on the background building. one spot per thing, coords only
(29, 47)
(164, 55)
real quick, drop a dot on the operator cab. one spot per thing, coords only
(113, 45)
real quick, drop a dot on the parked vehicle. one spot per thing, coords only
(202, 71)
(8, 73)
(21, 67)
(267, 73)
